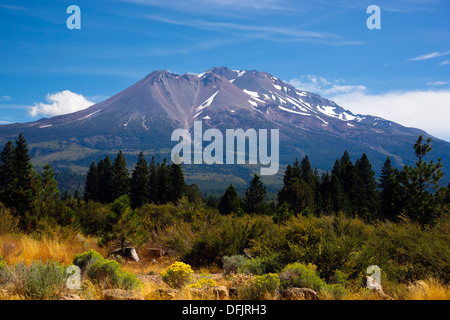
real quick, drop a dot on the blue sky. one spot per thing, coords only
(400, 72)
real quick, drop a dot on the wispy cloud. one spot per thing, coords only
(431, 55)
(437, 83)
(325, 87)
(445, 62)
(6, 98)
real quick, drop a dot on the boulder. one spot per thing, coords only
(301, 294)
(129, 253)
(119, 294)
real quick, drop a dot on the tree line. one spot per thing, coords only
(412, 191)
(152, 182)
(351, 188)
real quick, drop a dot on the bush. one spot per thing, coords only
(105, 272)
(301, 276)
(261, 265)
(263, 287)
(177, 275)
(86, 259)
(108, 273)
(41, 280)
(204, 282)
(233, 264)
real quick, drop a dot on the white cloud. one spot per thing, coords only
(437, 83)
(60, 103)
(323, 86)
(430, 55)
(427, 110)
(443, 63)
(5, 98)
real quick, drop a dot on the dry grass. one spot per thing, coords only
(429, 289)
(26, 249)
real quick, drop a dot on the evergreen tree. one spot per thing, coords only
(388, 186)
(139, 184)
(6, 172)
(230, 202)
(419, 185)
(307, 173)
(177, 184)
(194, 194)
(121, 185)
(106, 180)
(50, 191)
(21, 186)
(366, 187)
(325, 201)
(91, 186)
(254, 196)
(153, 183)
(339, 198)
(348, 177)
(164, 182)
(298, 195)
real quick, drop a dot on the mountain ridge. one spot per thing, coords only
(143, 116)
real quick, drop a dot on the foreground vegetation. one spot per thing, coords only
(322, 234)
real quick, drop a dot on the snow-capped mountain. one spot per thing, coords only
(143, 116)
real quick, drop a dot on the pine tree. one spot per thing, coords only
(6, 172)
(121, 185)
(164, 182)
(91, 187)
(307, 173)
(177, 184)
(339, 198)
(366, 187)
(50, 191)
(230, 202)
(388, 186)
(298, 195)
(139, 184)
(254, 196)
(153, 183)
(106, 180)
(416, 183)
(21, 186)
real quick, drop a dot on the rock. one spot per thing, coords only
(70, 296)
(301, 294)
(119, 294)
(128, 253)
(166, 293)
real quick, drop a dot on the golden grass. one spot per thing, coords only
(428, 289)
(26, 249)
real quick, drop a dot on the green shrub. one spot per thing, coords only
(177, 275)
(41, 280)
(263, 287)
(301, 276)
(86, 259)
(233, 264)
(109, 274)
(261, 265)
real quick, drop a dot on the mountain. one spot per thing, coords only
(143, 117)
